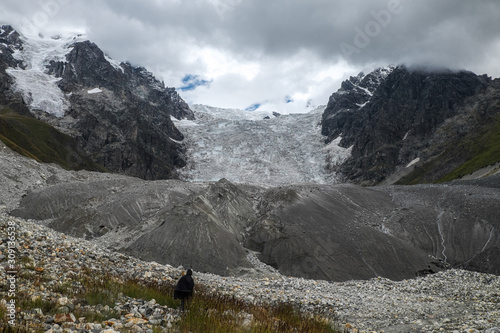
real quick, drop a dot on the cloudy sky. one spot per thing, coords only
(280, 55)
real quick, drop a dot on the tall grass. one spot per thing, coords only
(205, 312)
(218, 313)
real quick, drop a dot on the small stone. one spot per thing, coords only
(38, 311)
(118, 326)
(62, 301)
(64, 317)
(136, 321)
(110, 322)
(62, 309)
(154, 321)
(137, 328)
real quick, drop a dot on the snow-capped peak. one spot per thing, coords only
(369, 82)
(39, 89)
(363, 86)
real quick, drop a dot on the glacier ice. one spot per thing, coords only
(258, 147)
(39, 89)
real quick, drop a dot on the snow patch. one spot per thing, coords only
(115, 63)
(415, 161)
(94, 91)
(176, 141)
(183, 122)
(39, 89)
(362, 105)
(366, 90)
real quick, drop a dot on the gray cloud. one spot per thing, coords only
(290, 43)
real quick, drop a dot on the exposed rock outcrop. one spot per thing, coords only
(9, 39)
(392, 119)
(118, 114)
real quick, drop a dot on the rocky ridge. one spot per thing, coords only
(119, 114)
(398, 119)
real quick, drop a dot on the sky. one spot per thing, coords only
(280, 55)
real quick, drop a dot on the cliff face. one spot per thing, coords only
(9, 40)
(394, 121)
(118, 114)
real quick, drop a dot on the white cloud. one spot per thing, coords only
(260, 51)
(218, 63)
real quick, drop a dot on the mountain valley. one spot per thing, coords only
(397, 177)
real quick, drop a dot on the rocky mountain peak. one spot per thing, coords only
(388, 116)
(9, 36)
(87, 66)
(120, 115)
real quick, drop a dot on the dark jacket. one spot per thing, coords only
(184, 287)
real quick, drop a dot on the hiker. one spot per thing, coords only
(184, 288)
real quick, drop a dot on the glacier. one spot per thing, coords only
(259, 147)
(39, 89)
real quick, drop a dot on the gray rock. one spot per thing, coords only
(126, 128)
(391, 119)
(336, 233)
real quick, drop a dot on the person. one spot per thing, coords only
(184, 288)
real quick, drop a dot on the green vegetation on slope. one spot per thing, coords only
(472, 152)
(42, 142)
(89, 291)
(484, 149)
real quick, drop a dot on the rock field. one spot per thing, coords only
(450, 301)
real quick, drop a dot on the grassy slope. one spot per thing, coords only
(206, 312)
(42, 142)
(479, 149)
(484, 149)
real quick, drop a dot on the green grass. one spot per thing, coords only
(5, 328)
(42, 142)
(206, 312)
(97, 290)
(96, 317)
(484, 149)
(473, 152)
(160, 293)
(219, 313)
(25, 301)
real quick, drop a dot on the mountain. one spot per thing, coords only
(266, 192)
(259, 147)
(42, 142)
(393, 125)
(408, 123)
(119, 115)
